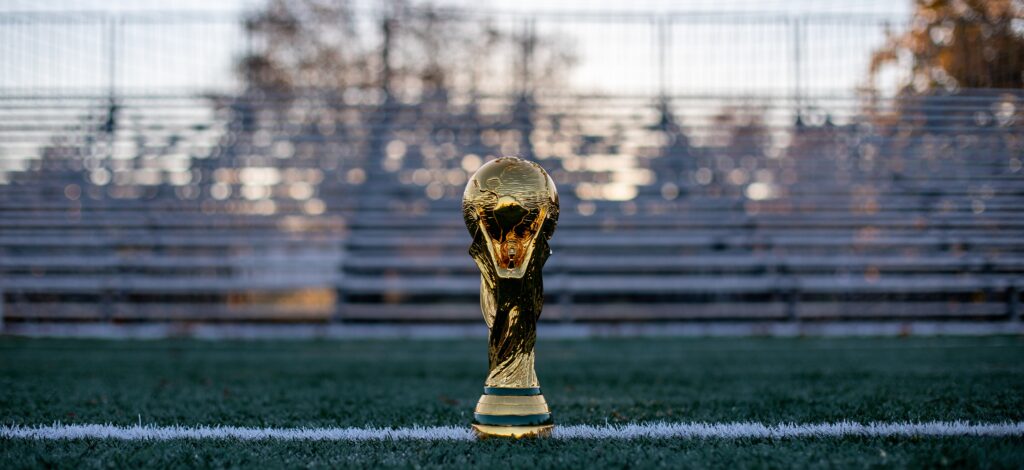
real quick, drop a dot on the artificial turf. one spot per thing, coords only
(594, 381)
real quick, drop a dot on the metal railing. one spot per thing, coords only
(709, 166)
(617, 54)
(232, 209)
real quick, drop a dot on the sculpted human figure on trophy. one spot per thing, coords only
(511, 208)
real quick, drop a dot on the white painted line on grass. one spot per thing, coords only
(455, 433)
(788, 431)
(163, 433)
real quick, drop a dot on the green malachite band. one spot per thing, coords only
(511, 392)
(512, 420)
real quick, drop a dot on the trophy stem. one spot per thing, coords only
(512, 412)
(511, 207)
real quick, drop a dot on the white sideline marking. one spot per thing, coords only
(463, 433)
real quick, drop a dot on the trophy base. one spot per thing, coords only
(484, 431)
(512, 412)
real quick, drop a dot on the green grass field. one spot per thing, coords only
(430, 383)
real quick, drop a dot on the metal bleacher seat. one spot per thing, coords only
(937, 235)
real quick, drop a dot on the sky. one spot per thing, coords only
(617, 57)
(709, 48)
(887, 7)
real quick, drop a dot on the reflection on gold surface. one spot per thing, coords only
(511, 207)
(485, 431)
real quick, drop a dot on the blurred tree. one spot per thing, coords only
(304, 43)
(408, 58)
(741, 130)
(955, 44)
(416, 51)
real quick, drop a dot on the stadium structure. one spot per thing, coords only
(781, 200)
(786, 238)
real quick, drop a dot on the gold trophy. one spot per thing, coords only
(511, 208)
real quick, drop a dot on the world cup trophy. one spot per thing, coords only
(511, 208)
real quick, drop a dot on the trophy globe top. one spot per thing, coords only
(510, 203)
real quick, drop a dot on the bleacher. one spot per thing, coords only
(312, 209)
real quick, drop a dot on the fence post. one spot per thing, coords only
(528, 42)
(111, 39)
(662, 32)
(795, 25)
(565, 297)
(792, 294)
(1013, 301)
(341, 291)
